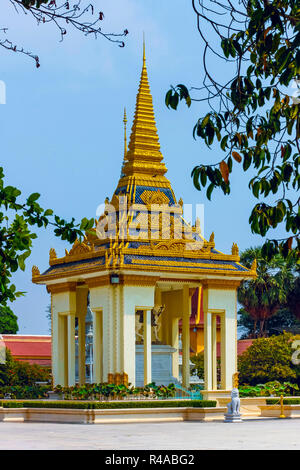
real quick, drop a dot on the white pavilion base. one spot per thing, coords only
(161, 364)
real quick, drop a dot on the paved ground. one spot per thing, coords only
(252, 434)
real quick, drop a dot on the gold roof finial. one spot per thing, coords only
(144, 51)
(234, 249)
(254, 265)
(52, 254)
(35, 271)
(197, 225)
(144, 155)
(125, 135)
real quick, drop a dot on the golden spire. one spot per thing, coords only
(125, 136)
(144, 156)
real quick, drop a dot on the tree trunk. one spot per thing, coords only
(254, 328)
(261, 328)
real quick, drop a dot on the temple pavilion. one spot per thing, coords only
(137, 270)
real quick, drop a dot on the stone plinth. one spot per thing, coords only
(232, 418)
(161, 364)
(216, 395)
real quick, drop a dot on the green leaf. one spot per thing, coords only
(209, 191)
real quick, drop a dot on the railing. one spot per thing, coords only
(182, 392)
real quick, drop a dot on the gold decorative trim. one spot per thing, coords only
(98, 281)
(63, 287)
(78, 257)
(52, 255)
(163, 268)
(79, 248)
(235, 250)
(45, 358)
(180, 263)
(223, 284)
(154, 197)
(136, 280)
(35, 271)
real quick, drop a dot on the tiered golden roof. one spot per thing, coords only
(172, 246)
(144, 156)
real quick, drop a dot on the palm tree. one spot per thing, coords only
(293, 298)
(265, 295)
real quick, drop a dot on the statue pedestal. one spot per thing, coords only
(161, 364)
(232, 418)
(215, 394)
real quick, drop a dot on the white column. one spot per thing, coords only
(56, 354)
(175, 344)
(97, 346)
(135, 298)
(71, 350)
(81, 349)
(221, 301)
(100, 301)
(223, 352)
(185, 337)
(207, 352)
(81, 310)
(147, 347)
(65, 348)
(63, 303)
(214, 351)
(116, 311)
(228, 342)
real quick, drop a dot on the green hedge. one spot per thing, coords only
(110, 405)
(286, 401)
(12, 404)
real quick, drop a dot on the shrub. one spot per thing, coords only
(269, 389)
(24, 391)
(22, 373)
(268, 359)
(104, 391)
(286, 401)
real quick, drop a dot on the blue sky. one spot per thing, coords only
(62, 129)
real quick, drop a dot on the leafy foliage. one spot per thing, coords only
(16, 373)
(293, 297)
(104, 391)
(263, 297)
(252, 118)
(198, 365)
(269, 359)
(110, 405)
(286, 401)
(8, 321)
(16, 236)
(33, 392)
(270, 389)
(282, 320)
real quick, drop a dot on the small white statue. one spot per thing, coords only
(233, 408)
(155, 323)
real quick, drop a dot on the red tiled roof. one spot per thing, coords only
(35, 349)
(242, 345)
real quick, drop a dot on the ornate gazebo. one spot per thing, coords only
(138, 269)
